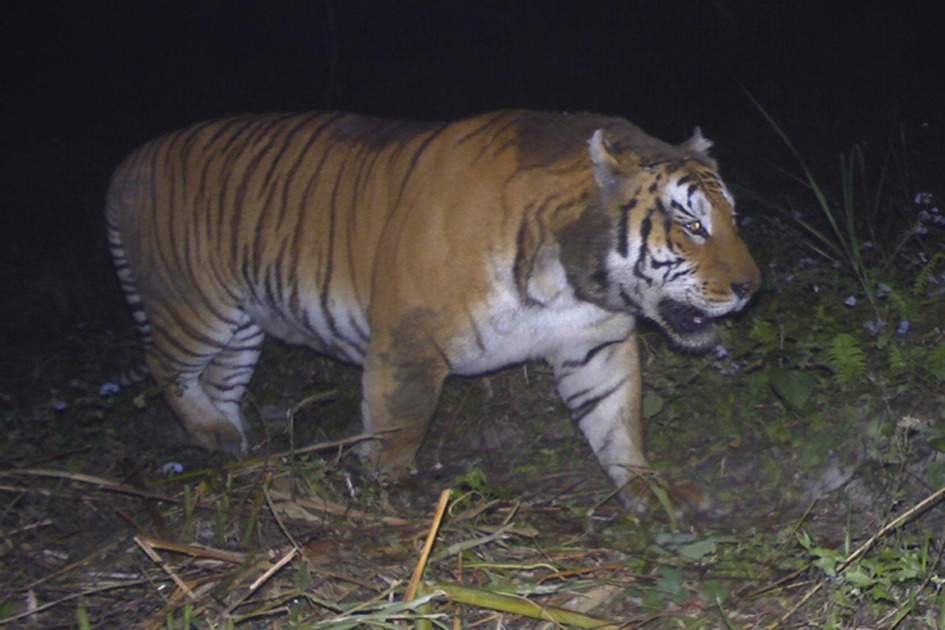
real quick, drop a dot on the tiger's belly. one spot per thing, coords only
(501, 332)
(336, 328)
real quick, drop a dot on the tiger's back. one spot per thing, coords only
(416, 251)
(220, 212)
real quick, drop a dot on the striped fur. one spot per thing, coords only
(421, 250)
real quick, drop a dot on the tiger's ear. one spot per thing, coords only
(605, 164)
(697, 143)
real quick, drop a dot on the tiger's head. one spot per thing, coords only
(658, 237)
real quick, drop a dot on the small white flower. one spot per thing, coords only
(909, 423)
(850, 301)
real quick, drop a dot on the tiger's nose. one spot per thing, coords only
(743, 289)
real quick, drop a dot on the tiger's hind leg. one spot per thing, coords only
(204, 373)
(226, 377)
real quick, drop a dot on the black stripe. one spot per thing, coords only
(522, 265)
(418, 152)
(570, 399)
(646, 226)
(477, 333)
(589, 405)
(590, 355)
(329, 264)
(443, 356)
(623, 227)
(682, 209)
(301, 159)
(627, 300)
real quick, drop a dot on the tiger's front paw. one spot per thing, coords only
(649, 492)
(222, 437)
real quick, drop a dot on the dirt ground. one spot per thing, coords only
(126, 527)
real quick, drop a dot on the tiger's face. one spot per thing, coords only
(671, 252)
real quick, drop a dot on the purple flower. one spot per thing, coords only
(903, 327)
(721, 351)
(875, 327)
(733, 368)
(923, 199)
(850, 301)
(172, 468)
(108, 388)
(58, 405)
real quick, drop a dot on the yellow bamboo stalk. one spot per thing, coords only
(427, 546)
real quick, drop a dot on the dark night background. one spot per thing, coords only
(85, 82)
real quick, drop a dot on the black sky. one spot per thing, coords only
(85, 82)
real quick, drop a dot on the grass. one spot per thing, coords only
(820, 432)
(865, 228)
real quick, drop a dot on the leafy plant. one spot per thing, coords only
(866, 230)
(847, 359)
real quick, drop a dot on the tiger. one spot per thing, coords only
(423, 250)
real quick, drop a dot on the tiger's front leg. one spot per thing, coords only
(601, 385)
(400, 395)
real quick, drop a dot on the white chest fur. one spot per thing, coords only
(509, 330)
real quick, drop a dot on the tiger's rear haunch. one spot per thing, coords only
(419, 251)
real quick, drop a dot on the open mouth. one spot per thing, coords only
(684, 319)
